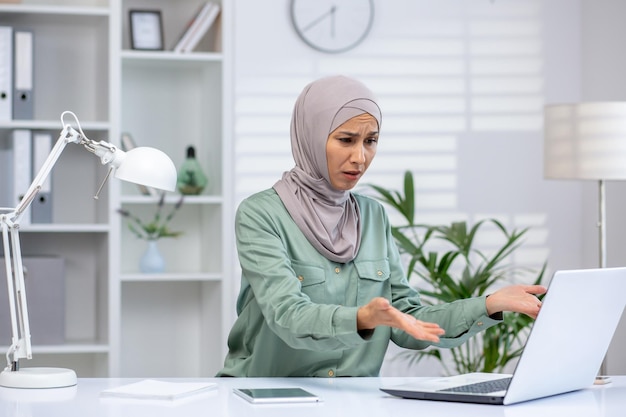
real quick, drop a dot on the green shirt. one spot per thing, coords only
(297, 310)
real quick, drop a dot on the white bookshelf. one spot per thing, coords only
(120, 322)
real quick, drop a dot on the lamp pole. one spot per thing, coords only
(602, 240)
(601, 222)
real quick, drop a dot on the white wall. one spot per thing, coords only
(462, 85)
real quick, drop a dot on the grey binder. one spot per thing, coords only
(23, 54)
(41, 207)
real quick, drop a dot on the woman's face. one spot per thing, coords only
(350, 149)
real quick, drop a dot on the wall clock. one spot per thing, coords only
(332, 25)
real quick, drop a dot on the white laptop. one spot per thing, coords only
(563, 352)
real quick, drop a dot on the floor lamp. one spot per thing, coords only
(587, 141)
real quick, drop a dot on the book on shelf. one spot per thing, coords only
(197, 27)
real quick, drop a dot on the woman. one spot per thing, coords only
(322, 288)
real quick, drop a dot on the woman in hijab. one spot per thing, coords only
(322, 287)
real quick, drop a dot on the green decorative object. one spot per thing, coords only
(191, 178)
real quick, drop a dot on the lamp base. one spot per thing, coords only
(38, 378)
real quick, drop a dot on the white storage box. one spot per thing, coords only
(45, 295)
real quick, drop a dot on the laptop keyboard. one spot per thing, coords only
(482, 387)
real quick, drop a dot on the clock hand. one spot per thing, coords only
(330, 12)
(332, 21)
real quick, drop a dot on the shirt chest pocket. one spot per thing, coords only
(312, 281)
(373, 280)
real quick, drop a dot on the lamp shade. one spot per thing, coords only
(148, 166)
(585, 141)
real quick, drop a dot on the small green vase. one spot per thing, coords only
(191, 178)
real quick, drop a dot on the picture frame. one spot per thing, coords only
(146, 30)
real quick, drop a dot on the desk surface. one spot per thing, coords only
(341, 397)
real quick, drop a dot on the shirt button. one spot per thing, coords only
(300, 278)
(331, 373)
(380, 273)
(337, 270)
(480, 323)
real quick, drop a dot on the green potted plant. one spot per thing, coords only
(449, 266)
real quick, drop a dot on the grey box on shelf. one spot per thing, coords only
(45, 294)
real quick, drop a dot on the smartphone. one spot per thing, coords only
(276, 395)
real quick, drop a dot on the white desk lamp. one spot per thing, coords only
(145, 166)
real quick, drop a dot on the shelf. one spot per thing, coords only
(71, 348)
(173, 277)
(169, 56)
(65, 228)
(172, 199)
(67, 348)
(171, 101)
(47, 10)
(54, 124)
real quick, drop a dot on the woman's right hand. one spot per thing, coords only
(379, 312)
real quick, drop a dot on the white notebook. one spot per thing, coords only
(151, 389)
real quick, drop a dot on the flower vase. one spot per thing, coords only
(152, 261)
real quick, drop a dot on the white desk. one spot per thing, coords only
(342, 397)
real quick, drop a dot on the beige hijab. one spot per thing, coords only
(329, 218)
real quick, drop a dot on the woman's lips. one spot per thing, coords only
(352, 175)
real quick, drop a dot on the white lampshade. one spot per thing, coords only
(148, 166)
(585, 141)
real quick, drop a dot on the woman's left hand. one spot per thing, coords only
(518, 298)
(380, 312)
